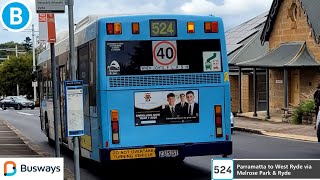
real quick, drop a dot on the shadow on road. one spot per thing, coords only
(149, 169)
(143, 169)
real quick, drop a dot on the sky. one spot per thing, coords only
(233, 12)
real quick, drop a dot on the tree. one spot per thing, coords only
(27, 44)
(16, 70)
(11, 45)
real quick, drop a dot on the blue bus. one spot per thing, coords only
(155, 86)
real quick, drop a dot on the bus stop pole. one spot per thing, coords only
(72, 73)
(55, 97)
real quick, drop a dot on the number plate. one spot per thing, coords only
(168, 153)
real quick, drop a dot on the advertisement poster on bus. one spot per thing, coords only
(166, 107)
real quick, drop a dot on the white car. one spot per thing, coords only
(231, 120)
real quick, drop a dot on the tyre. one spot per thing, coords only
(224, 156)
(3, 107)
(50, 141)
(32, 107)
(176, 160)
(46, 124)
(179, 160)
(18, 107)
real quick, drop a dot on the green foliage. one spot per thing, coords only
(27, 44)
(297, 115)
(11, 44)
(304, 107)
(307, 105)
(16, 70)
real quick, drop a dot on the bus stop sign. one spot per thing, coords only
(73, 92)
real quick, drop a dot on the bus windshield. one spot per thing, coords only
(163, 57)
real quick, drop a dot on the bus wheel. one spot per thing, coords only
(51, 142)
(46, 124)
(176, 160)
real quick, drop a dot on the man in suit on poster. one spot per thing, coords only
(193, 107)
(183, 106)
(170, 110)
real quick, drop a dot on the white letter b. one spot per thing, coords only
(15, 13)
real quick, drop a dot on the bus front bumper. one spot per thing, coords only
(167, 151)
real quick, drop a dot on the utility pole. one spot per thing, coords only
(16, 50)
(72, 73)
(34, 65)
(17, 56)
(18, 90)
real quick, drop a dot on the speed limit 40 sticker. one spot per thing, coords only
(164, 53)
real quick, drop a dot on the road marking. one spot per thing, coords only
(26, 114)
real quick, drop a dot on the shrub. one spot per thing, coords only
(297, 115)
(307, 105)
(304, 107)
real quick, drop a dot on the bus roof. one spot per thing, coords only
(82, 34)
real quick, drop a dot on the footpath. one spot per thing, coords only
(13, 144)
(274, 128)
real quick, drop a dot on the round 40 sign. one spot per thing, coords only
(164, 53)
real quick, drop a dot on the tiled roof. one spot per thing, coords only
(238, 37)
(294, 54)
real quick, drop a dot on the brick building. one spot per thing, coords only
(293, 61)
(243, 43)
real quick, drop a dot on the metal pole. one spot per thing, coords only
(76, 157)
(239, 87)
(267, 96)
(55, 96)
(72, 73)
(286, 103)
(254, 92)
(17, 89)
(72, 61)
(34, 64)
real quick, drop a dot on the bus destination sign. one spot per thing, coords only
(163, 28)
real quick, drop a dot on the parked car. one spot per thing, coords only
(231, 119)
(17, 102)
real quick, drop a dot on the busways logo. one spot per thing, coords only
(25, 168)
(33, 168)
(8, 172)
(48, 169)
(15, 15)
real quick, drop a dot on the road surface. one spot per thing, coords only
(245, 146)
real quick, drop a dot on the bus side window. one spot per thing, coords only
(49, 84)
(92, 74)
(83, 63)
(83, 73)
